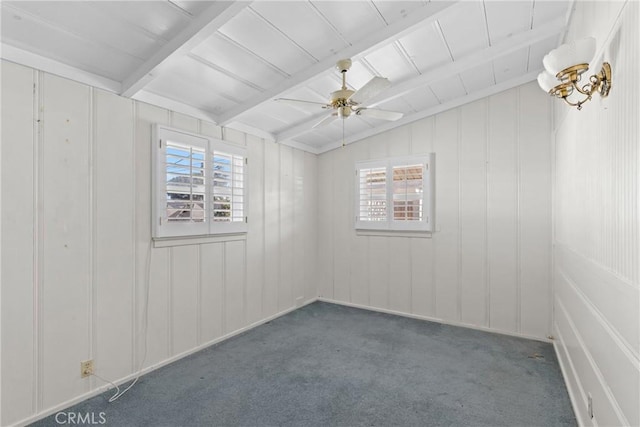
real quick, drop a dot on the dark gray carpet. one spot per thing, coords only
(329, 365)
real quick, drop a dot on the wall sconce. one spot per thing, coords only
(564, 67)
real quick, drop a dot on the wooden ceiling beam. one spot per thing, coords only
(428, 13)
(505, 47)
(202, 27)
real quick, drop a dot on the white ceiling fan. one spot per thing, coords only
(345, 101)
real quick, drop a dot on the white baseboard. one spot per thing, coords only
(434, 319)
(177, 357)
(103, 388)
(565, 376)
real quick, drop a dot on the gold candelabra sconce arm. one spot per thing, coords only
(571, 78)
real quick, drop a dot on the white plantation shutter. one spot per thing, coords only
(395, 194)
(185, 183)
(371, 208)
(228, 191)
(408, 192)
(222, 187)
(199, 185)
(238, 195)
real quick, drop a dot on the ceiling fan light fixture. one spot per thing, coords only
(344, 112)
(346, 102)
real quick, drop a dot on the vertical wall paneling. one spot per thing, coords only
(325, 226)
(152, 278)
(518, 326)
(38, 245)
(285, 196)
(378, 272)
(446, 240)
(299, 234)
(1, 181)
(211, 278)
(82, 271)
(114, 265)
(234, 282)
(467, 271)
(211, 261)
(422, 258)
(399, 278)
(377, 146)
(184, 297)
(256, 230)
(358, 245)
(210, 129)
(19, 160)
(233, 135)
(184, 122)
(596, 226)
(422, 283)
(310, 224)
(66, 248)
(184, 271)
(535, 201)
(379, 285)
(400, 260)
(93, 236)
(342, 188)
(398, 141)
(472, 213)
(502, 204)
(159, 322)
(199, 309)
(271, 228)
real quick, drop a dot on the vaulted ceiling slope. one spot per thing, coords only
(228, 61)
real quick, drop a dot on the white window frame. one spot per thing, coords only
(162, 227)
(427, 224)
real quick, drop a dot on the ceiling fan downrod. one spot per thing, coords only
(340, 98)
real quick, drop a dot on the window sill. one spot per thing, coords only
(395, 233)
(167, 242)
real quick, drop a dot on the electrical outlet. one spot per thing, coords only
(590, 405)
(86, 368)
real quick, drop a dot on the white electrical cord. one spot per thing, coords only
(143, 333)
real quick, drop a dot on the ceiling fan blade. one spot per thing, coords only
(379, 114)
(370, 89)
(302, 103)
(331, 117)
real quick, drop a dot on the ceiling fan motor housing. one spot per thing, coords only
(344, 106)
(339, 98)
(340, 101)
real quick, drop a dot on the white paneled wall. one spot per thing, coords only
(597, 230)
(76, 254)
(489, 263)
(76, 165)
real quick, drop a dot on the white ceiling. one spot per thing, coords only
(228, 61)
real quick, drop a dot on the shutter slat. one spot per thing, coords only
(228, 188)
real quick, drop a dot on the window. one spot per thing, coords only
(199, 185)
(395, 194)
